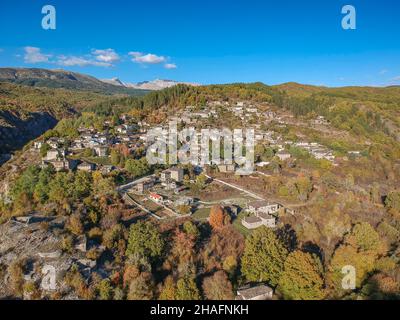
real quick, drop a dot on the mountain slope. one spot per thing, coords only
(26, 112)
(157, 84)
(62, 79)
(114, 81)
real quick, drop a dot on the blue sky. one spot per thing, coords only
(219, 41)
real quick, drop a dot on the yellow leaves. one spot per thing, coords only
(302, 277)
(365, 238)
(360, 250)
(347, 255)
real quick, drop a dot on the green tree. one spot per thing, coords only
(43, 149)
(145, 241)
(137, 168)
(115, 157)
(201, 181)
(360, 249)
(42, 189)
(61, 187)
(168, 290)
(186, 289)
(82, 184)
(191, 229)
(392, 201)
(347, 255)
(102, 186)
(364, 238)
(304, 187)
(105, 289)
(264, 256)
(302, 278)
(25, 184)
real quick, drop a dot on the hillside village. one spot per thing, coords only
(167, 189)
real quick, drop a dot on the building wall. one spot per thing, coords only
(251, 225)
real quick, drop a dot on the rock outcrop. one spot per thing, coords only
(17, 129)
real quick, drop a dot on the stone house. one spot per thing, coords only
(145, 185)
(283, 155)
(226, 168)
(261, 292)
(86, 166)
(263, 214)
(101, 151)
(262, 206)
(184, 201)
(175, 174)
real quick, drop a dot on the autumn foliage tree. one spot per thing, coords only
(168, 290)
(182, 256)
(186, 289)
(223, 250)
(218, 217)
(392, 203)
(141, 287)
(361, 248)
(218, 287)
(302, 278)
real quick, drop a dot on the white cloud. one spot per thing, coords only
(170, 66)
(384, 71)
(70, 61)
(106, 55)
(97, 57)
(148, 58)
(396, 78)
(34, 55)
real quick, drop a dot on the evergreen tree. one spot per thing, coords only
(144, 240)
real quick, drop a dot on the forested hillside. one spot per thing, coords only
(27, 112)
(62, 79)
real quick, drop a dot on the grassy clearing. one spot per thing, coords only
(237, 224)
(201, 214)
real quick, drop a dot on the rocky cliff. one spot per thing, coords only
(16, 129)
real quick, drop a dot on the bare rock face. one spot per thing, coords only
(17, 129)
(40, 249)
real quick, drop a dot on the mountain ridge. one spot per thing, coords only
(153, 85)
(38, 77)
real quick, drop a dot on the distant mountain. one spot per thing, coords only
(157, 84)
(115, 82)
(64, 79)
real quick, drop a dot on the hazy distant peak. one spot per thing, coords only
(159, 84)
(114, 81)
